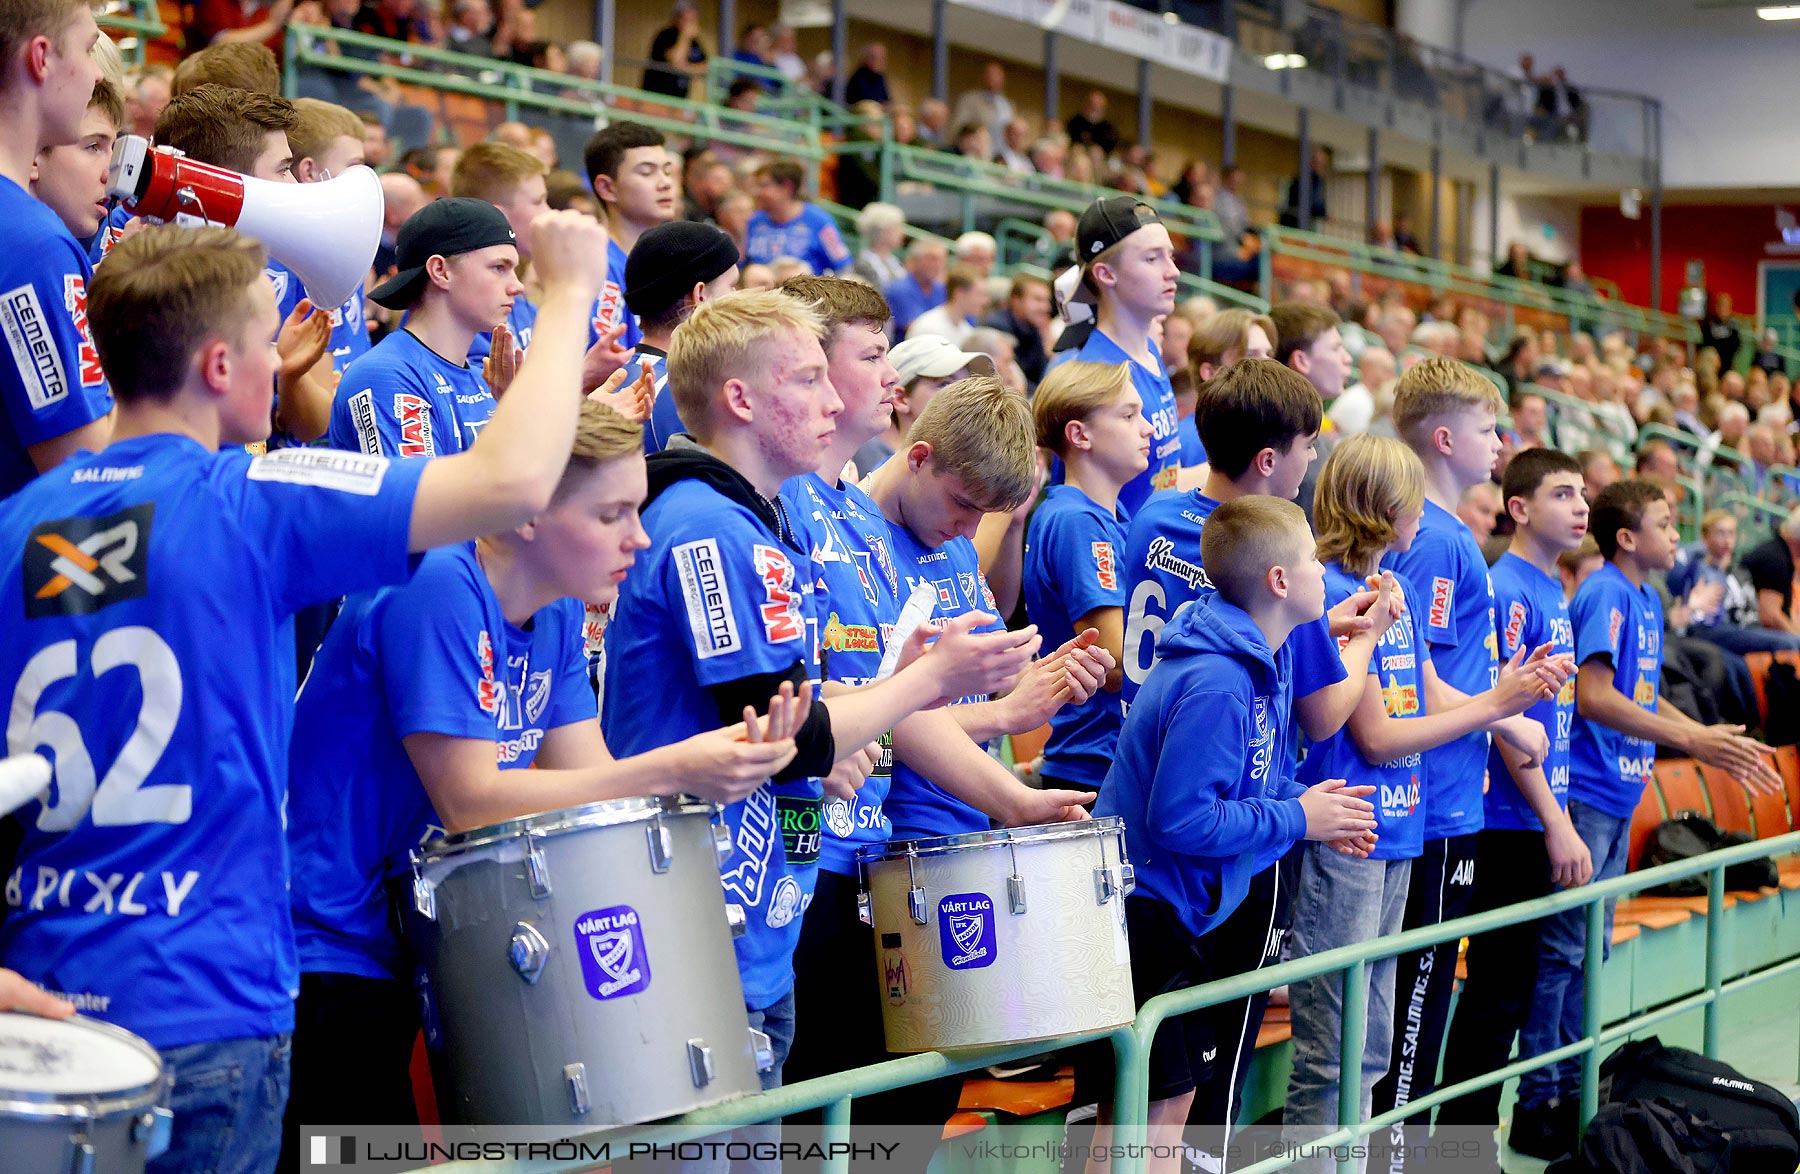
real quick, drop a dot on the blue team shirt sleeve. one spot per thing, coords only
(1083, 555)
(1599, 617)
(331, 523)
(830, 251)
(439, 659)
(571, 696)
(54, 384)
(740, 591)
(1318, 664)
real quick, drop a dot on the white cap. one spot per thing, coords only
(932, 356)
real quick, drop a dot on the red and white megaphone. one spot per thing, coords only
(327, 233)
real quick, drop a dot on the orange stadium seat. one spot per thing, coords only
(1644, 820)
(1730, 800)
(1682, 787)
(1787, 761)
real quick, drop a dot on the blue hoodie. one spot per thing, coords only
(1201, 779)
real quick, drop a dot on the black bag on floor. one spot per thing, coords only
(1761, 1126)
(1691, 834)
(1648, 1137)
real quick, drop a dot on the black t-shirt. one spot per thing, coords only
(1771, 567)
(661, 79)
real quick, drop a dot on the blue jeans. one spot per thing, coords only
(1340, 901)
(1558, 1000)
(228, 1098)
(777, 1022)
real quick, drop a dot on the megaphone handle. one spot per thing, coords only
(23, 777)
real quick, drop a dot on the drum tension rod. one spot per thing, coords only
(1015, 884)
(662, 844)
(915, 896)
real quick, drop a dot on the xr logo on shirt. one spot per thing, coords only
(76, 566)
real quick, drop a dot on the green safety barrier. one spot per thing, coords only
(519, 87)
(1443, 277)
(139, 20)
(785, 98)
(1751, 510)
(1620, 448)
(1131, 1044)
(973, 179)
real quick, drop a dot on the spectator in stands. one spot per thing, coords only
(1530, 422)
(733, 215)
(859, 172)
(1765, 358)
(1479, 509)
(821, 75)
(146, 98)
(966, 301)
(1771, 567)
(432, 167)
(705, 181)
(742, 95)
(1228, 205)
(974, 142)
(397, 20)
(1055, 249)
(565, 190)
(676, 267)
(471, 28)
(677, 54)
(784, 53)
(1598, 470)
(1656, 461)
(1000, 347)
(378, 149)
(1517, 264)
(1240, 266)
(784, 225)
(1320, 164)
(1719, 332)
(1090, 126)
(401, 195)
(869, 82)
(922, 288)
(988, 106)
(882, 228)
(1355, 411)
(905, 125)
(585, 59)
(1015, 147)
(925, 366)
(1194, 176)
(1721, 599)
(754, 48)
(237, 64)
(1027, 317)
(1732, 433)
(977, 250)
(217, 22)
(934, 124)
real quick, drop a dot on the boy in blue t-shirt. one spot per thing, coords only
(1090, 416)
(784, 225)
(1370, 496)
(1526, 832)
(1445, 412)
(53, 394)
(421, 700)
(512, 181)
(1209, 800)
(415, 394)
(673, 268)
(1618, 723)
(158, 900)
(722, 609)
(632, 175)
(852, 543)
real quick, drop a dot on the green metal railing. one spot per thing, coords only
(139, 20)
(974, 180)
(787, 100)
(1561, 404)
(1510, 294)
(518, 87)
(1131, 1044)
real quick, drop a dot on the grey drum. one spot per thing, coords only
(576, 968)
(1000, 937)
(79, 1097)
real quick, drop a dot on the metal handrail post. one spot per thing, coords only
(1715, 956)
(1355, 1024)
(1593, 1016)
(836, 1119)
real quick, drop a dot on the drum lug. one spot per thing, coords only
(762, 1050)
(81, 1155)
(1015, 893)
(1113, 882)
(700, 1062)
(865, 907)
(721, 834)
(734, 917)
(424, 897)
(151, 1130)
(662, 846)
(529, 952)
(915, 905)
(537, 872)
(575, 1076)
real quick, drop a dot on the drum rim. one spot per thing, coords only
(605, 813)
(21, 1102)
(998, 838)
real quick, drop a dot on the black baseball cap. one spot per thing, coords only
(442, 228)
(668, 259)
(1108, 221)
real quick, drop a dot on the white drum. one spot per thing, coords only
(576, 968)
(78, 1097)
(1000, 937)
